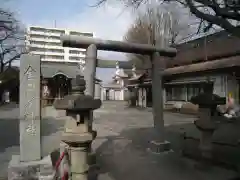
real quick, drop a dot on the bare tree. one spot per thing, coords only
(223, 13)
(12, 39)
(148, 28)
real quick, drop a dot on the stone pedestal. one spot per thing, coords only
(206, 144)
(158, 147)
(31, 170)
(79, 162)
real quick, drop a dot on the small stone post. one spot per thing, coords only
(207, 103)
(78, 108)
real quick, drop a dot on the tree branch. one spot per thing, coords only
(223, 12)
(213, 19)
(10, 38)
(12, 59)
(9, 50)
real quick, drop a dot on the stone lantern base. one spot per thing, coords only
(157, 147)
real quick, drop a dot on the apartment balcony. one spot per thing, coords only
(78, 58)
(81, 55)
(45, 39)
(46, 46)
(48, 53)
(45, 33)
(78, 49)
(52, 60)
(60, 60)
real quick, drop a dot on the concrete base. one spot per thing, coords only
(33, 170)
(159, 147)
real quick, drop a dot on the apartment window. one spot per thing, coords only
(55, 50)
(75, 58)
(56, 31)
(195, 45)
(37, 49)
(81, 34)
(37, 42)
(37, 29)
(36, 36)
(46, 50)
(76, 52)
(56, 38)
(45, 37)
(45, 43)
(53, 57)
(53, 43)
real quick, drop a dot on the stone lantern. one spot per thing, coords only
(77, 134)
(207, 103)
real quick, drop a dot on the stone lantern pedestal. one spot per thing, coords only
(78, 134)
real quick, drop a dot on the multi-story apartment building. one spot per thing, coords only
(46, 42)
(58, 64)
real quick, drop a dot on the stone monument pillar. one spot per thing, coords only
(30, 165)
(77, 135)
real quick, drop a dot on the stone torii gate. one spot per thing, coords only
(156, 53)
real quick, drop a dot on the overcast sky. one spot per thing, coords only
(108, 22)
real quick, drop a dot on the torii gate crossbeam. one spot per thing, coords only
(117, 46)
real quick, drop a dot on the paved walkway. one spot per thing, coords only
(123, 139)
(121, 145)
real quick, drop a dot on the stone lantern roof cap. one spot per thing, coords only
(77, 100)
(208, 100)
